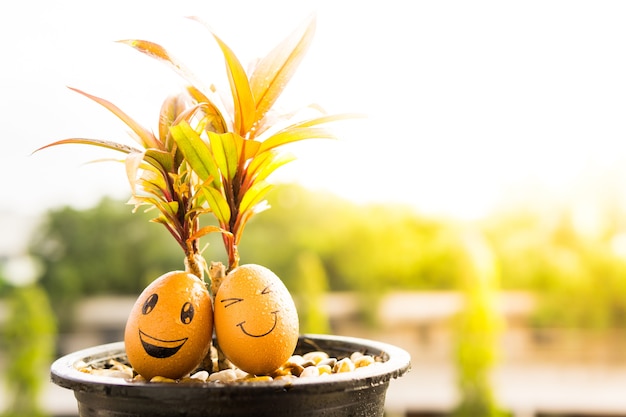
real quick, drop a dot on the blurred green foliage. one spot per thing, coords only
(477, 328)
(27, 342)
(366, 248)
(309, 291)
(371, 248)
(577, 272)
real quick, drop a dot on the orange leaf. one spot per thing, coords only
(293, 135)
(273, 72)
(159, 53)
(211, 111)
(243, 101)
(206, 230)
(146, 138)
(93, 142)
(171, 108)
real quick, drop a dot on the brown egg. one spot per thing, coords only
(169, 328)
(256, 322)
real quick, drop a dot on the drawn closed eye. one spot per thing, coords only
(227, 302)
(266, 290)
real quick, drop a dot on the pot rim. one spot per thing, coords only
(396, 362)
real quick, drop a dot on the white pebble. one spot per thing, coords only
(324, 369)
(226, 375)
(344, 365)
(297, 359)
(112, 373)
(316, 356)
(310, 371)
(363, 361)
(239, 373)
(200, 375)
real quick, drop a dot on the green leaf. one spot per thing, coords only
(196, 152)
(224, 147)
(218, 204)
(168, 210)
(264, 164)
(168, 223)
(172, 207)
(153, 176)
(163, 159)
(254, 195)
(153, 183)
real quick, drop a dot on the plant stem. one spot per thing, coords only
(195, 264)
(217, 272)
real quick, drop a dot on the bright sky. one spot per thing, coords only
(468, 100)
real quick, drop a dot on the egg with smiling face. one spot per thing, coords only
(256, 322)
(169, 329)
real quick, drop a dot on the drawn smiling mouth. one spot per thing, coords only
(275, 313)
(159, 348)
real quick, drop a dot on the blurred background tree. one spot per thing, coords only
(369, 249)
(551, 254)
(102, 250)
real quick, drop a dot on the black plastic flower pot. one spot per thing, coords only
(359, 393)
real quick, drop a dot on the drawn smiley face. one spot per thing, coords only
(161, 348)
(256, 322)
(262, 319)
(169, 328)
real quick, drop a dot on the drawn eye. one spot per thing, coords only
(230, 301)
(187, 312)
(150, 303)
(266, 290)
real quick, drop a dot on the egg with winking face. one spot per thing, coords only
(256, 322)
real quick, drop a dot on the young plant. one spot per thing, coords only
(214, 157)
